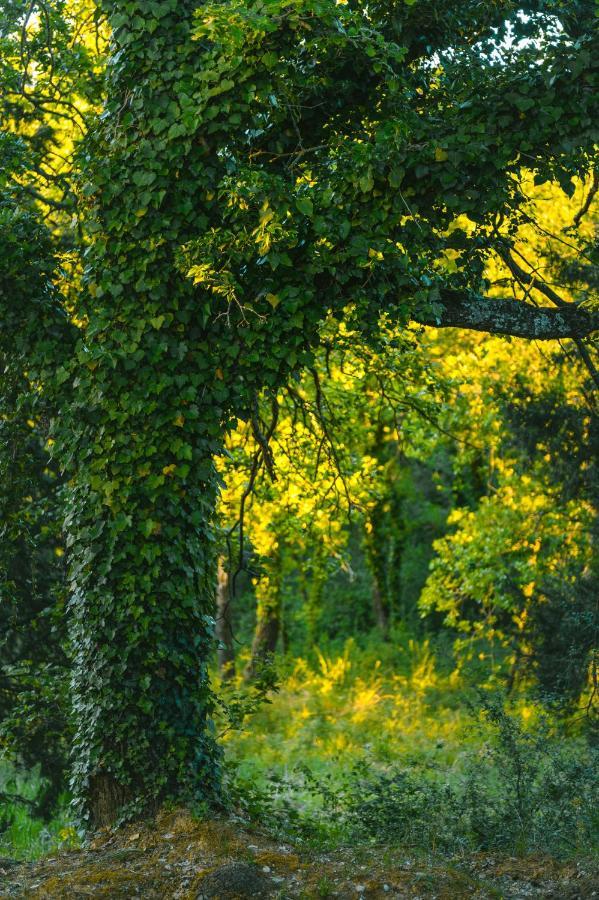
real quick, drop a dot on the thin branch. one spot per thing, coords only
(587, 203)
(47, 201)
(532, 281)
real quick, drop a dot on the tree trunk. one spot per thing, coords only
(266, 637)
(380, 609)
(316, 579)
(142, 635)
(224, 627)
(268, 623)
(140, 439)
(376, 547)
(284, 629)
(108, 798)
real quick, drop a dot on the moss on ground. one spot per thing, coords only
(178, 857)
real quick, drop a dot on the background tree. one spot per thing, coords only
(532, 525)
(50, 80)
(33, 706)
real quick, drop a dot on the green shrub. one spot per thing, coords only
(529, 791)
(519, 791)
(401, 806)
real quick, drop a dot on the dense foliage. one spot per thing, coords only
(220, 233)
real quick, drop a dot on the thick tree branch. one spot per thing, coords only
(509, 317)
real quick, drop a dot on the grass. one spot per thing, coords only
(348, 706)
(23, 836)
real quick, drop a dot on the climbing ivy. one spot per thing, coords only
(256, 165)
(35, 333)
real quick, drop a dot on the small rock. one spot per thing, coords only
(266, 869)
(386, 888)
(233, 880)
(360, 888)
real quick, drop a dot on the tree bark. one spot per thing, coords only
(509, 317)
(381, 613)
(107, 798)
(268, 623)
(224, 626)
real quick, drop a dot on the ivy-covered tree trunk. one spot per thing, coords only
(148, 421)
(224, 624)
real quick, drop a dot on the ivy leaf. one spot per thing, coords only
(305, 206)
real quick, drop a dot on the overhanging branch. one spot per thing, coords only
(510, 317)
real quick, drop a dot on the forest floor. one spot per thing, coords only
(178, 856)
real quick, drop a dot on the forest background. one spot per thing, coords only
(407, 581)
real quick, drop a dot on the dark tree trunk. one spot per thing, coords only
(106, 799)
(378, 549)
(224, 627)
(268, 625)
(380, 608)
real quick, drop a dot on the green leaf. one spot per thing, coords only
(305, 206)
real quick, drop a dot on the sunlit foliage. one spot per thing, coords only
(225, 227)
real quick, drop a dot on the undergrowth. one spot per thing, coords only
(353, 748)
(23, 834)
(350, 752)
